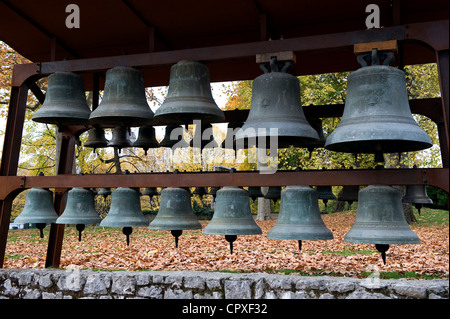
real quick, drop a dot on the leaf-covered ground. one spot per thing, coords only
(106, 249)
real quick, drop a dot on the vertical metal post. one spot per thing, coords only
(10, 156)
(56, 235)
(443, 65)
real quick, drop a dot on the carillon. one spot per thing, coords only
(120, 138)
(96, 138)
(146, 138)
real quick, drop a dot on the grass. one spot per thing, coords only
(431, 217)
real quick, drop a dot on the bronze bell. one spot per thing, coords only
(254, 192)
(120, 138)
(201, 139)
(200, 191)
(146, 138)
(380, 219)
(273, 193)
(189, 96)
(80, 210)
(349, 194)
(65, 101)
(125, 211)
(150, 191)
(417, 195)
(124, 102)
(173, 137)
(230, 139)
(96, 138)
(175, 213)
(104, 191)
(276, 105)
(325, 193)
(316, 123)
(299, 217)
(377, 116)
(232, 215)
(38, 209)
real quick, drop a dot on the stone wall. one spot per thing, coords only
(88, 284)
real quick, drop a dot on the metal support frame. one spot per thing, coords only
(431, 34)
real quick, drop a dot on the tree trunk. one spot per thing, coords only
(340, 205)
(263, 206)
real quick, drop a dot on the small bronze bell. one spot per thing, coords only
(96, 138)
(104, 191)
(232, 215)
(173, 137)
(146, 138)
(349, 194)
(189, 97)
(255, 192)
(175, 213)
(150, 191)
(80, 210)
(377, 116)
(125, 211)
(299, 217)
(273, 193)
(230, 140)
(38, 209)
(380, 220)
(120, 138)
(201, 140)
(276, 111)
(417, 195)
(325, 193)
(65, 101)
(124, 102)
(200, 191)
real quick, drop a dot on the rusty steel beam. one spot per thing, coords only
(432, 176)
(418, 32)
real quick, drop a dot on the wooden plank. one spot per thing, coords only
(281, 56)
(390, 45)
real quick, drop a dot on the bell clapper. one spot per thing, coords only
(41, 227)
(127, 232)
(176, 234)
(80, 228)
(230, 239)
(382, 248)
(300, 245)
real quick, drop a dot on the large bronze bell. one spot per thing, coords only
(276, 105)
(80, 210)
(146, 138)
(65, 101)
(175, 213)
(173, 136)
(38, 209)
(120, 138)
(124, 102)
(299, 217)
(125, 211)
(417, 195)
(189, 96)
(96, 138)
(232, 215)
(380, 219)
(201, 139)
(377, 117)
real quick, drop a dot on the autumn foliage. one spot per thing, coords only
(105, 248)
